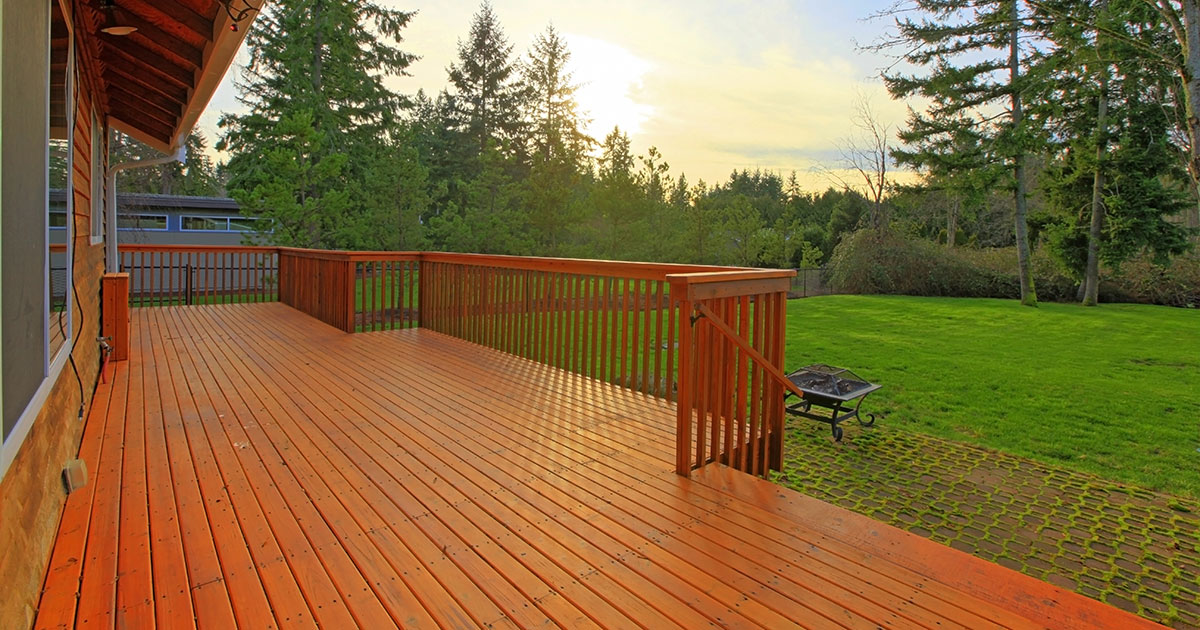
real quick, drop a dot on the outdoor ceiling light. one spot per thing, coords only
(236, 15)
(112, 25)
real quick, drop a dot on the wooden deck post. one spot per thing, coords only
(683, 401)
(114, 291)
(351, 284)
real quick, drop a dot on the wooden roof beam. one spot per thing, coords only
(174, 18)
(145, 112)
(140, 57)
(127, 119)
(158, 106)
(151, 34)
(139, 82)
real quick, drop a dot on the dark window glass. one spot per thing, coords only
(205, 223)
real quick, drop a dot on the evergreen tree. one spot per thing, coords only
(198, 177)
(490, 219)
(1174, 45)
(488, 96)
(618, 199)
(951, 154)
(558, 144)
(974, 63)
(320, 63)
(557, 124)
(1115, 179)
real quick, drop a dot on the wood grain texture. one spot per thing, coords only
(290, 475)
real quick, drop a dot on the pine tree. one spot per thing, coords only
(488, 96)
(1116, 176)
(974, 63)
(618, 198)
(558, 145)
(951, 155)
(320, 63)
(557, 124)
(197, 177)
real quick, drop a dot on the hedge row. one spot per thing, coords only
(871, 261)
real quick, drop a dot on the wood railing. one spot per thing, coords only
(731, 342)
(386, 290)
(710, 338)
(161, 275)
(613, 321)
(353, 291)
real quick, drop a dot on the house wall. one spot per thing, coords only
(31, 491)
(24, 182)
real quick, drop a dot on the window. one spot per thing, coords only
(204, 224)
(59, 206)
(98, 154)
(58, 219)
(221, 224)
(154, 222)
(243, 224)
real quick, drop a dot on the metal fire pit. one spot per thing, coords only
(838, 390)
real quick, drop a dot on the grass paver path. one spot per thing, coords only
(1124, 545)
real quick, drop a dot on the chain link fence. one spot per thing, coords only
(810, 281)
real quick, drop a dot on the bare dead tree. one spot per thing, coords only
(865, 156)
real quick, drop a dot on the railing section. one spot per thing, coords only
(162, 275)
(607, 320)
(352, 291)
(731, 341)
(710, 338)
(385, 290)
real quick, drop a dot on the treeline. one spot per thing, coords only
(1051, 125)
(497, 162)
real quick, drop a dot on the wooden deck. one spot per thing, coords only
(252, 467)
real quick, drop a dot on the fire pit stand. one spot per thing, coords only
(838, 390)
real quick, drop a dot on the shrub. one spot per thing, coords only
(871, 261)
(1140, 280)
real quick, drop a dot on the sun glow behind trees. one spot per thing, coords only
(610, 85)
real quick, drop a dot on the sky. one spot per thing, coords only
(715, 85)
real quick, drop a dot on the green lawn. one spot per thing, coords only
(1113, 390)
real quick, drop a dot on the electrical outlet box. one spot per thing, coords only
(74, 475)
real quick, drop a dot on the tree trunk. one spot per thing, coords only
(1091, 278)
(1028, 294)
(1191, 93)
(952, 222)
(318, 48)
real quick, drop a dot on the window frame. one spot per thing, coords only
(98, 201)
(221, 218)
(143, 215)
(56, 357)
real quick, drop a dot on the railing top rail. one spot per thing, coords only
(145, 247)
(580, 266)
(731, 275)
(336, 254)
(741, 282)
(686, 273)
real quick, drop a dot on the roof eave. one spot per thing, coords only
(218, 57)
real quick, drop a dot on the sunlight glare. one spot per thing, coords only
(609, 79)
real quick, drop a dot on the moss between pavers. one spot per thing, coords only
(1126, 546)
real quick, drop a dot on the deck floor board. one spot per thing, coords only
(255, 468)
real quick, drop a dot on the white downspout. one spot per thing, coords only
(111, 261)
